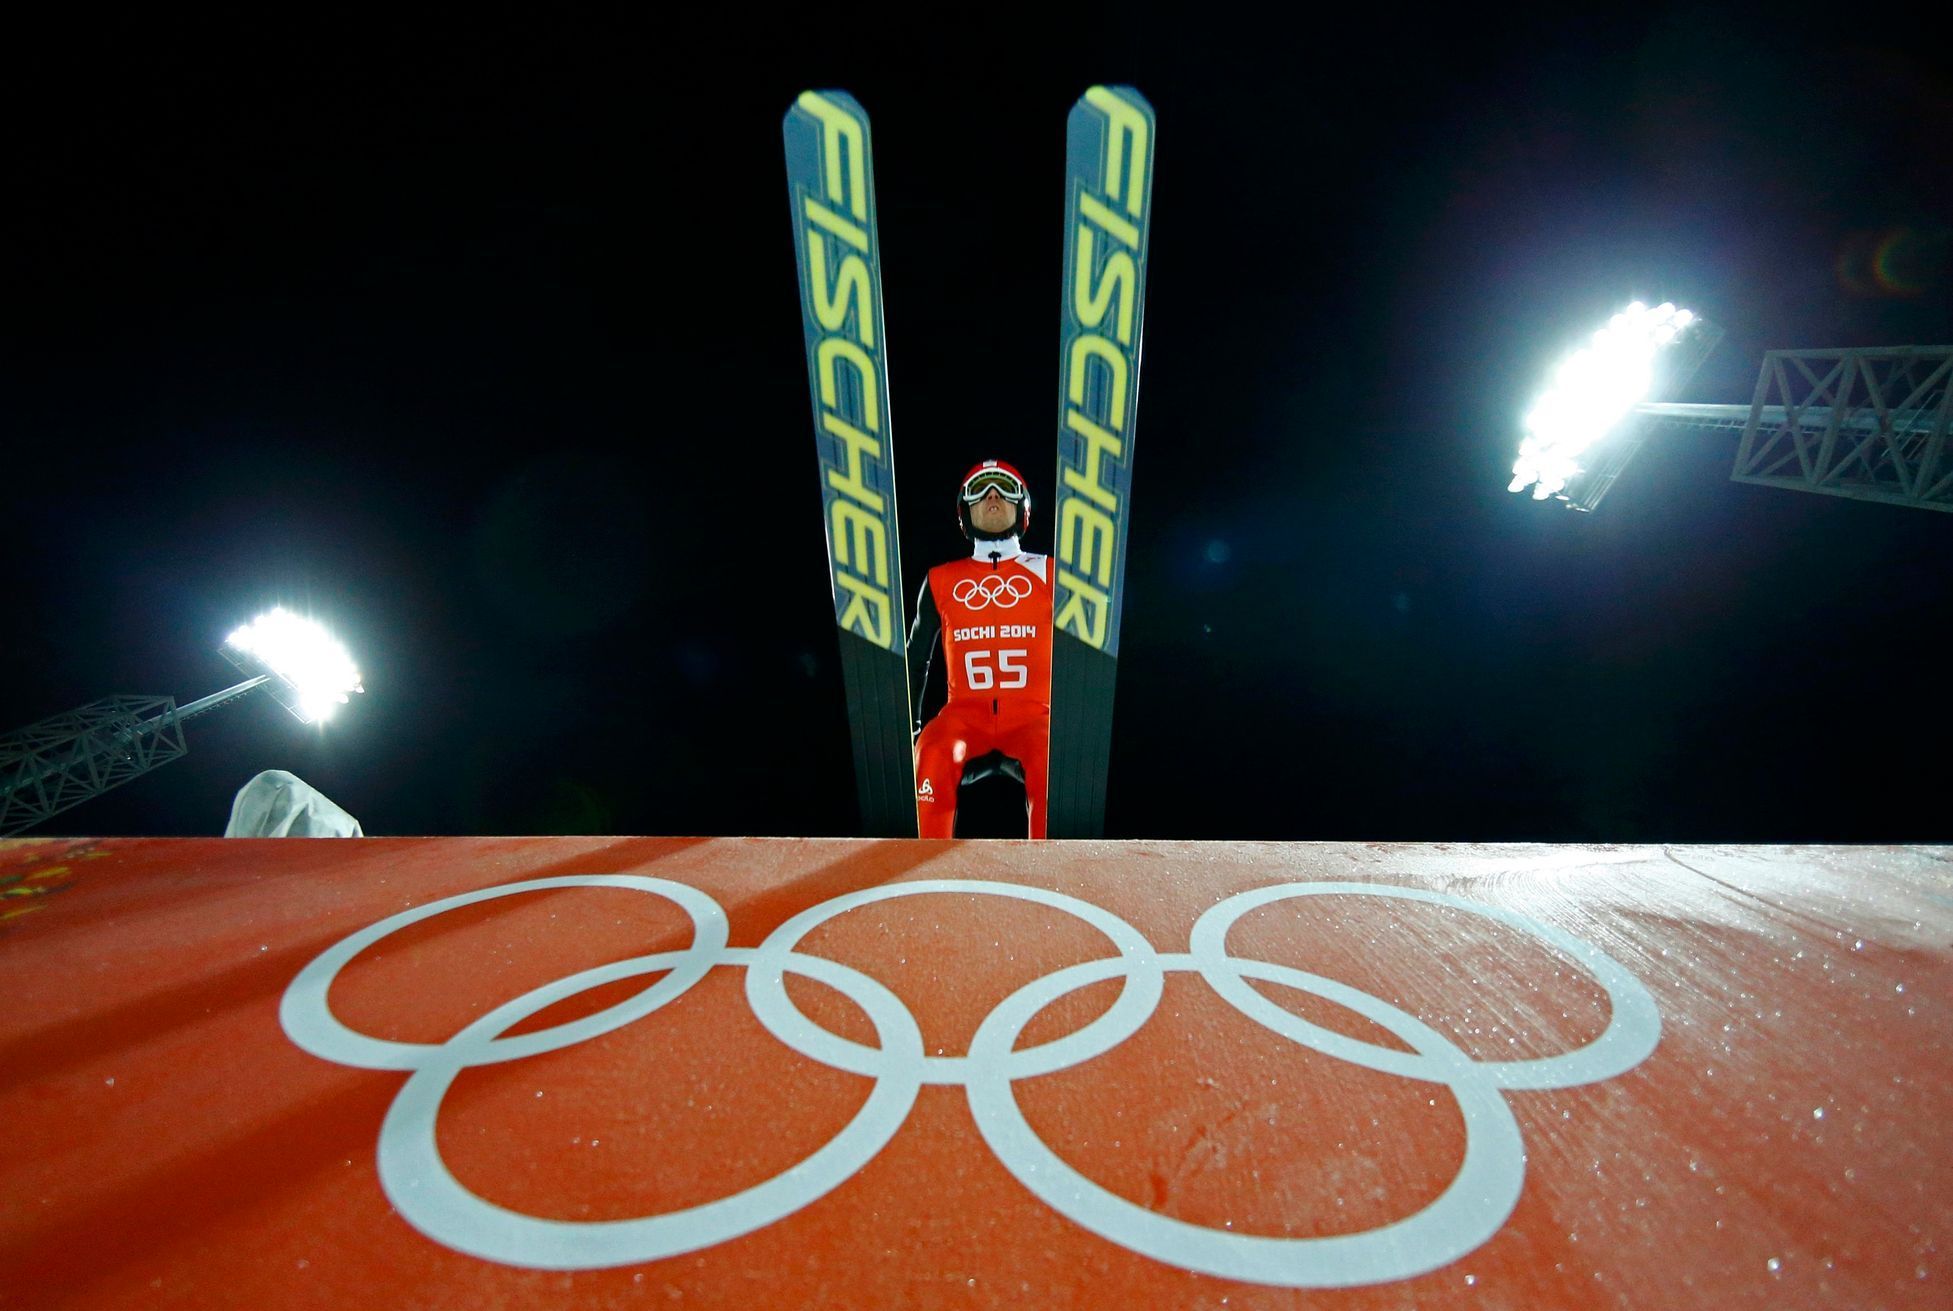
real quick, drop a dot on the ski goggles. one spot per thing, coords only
(992, 480)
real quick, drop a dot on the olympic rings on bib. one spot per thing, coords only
(1470, 1210)
(1000, 590)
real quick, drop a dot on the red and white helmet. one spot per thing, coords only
(989, 476)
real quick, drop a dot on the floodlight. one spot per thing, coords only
(63, 761)
(1578, 435)
(311, 671)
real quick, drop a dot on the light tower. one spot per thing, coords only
(65, 760)
(1869, 423)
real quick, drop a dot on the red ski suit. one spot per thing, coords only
(994, 616)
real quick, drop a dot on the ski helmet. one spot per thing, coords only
(989, 476)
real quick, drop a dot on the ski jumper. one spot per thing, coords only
(992, 614)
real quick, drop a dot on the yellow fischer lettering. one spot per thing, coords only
(1094, 209)
(859, 540)
(839, 299)
(852, 281)
(871, 401)
(858, 445)
(1104, 304)
(1120, 277)
(838, 126)
(1099, 445)
(1091, 344)
(1087, 533)
(1125, 128)
(1084, 610)
(823, 217)
(867, 612)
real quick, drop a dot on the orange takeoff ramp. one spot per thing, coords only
(753, 1073)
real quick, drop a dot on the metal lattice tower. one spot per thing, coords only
(67, 759)
(1868, 423)
(63, 761)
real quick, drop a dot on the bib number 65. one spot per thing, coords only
(1009, 671)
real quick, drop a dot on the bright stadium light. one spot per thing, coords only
(63, 761)
(313, 666)
(1592, 393)
(1865, 422)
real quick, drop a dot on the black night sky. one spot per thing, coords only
(479, 338)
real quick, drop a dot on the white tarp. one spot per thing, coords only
(280, 804)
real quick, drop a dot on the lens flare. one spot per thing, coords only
(1591, 392)
(304, 654)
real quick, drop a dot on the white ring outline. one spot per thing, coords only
(766, 990)
(424, 1191)
(1633, 1028)
(307, 1016)
(992, 592)
(1472, 1208)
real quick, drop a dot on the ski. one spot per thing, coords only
(1108, 213)
(831, 187)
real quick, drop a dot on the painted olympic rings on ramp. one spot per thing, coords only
(1469, 1211)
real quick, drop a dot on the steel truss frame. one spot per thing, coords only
(63, 761)
(1869, 424)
